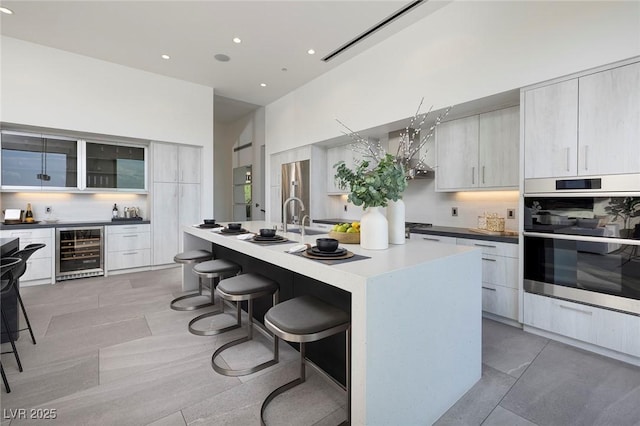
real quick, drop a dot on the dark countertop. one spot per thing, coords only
(66, 224)
(444, 231)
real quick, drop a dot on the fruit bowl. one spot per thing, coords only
(346, 237)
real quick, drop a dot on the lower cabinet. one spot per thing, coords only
(499, 276)
(608, 329)
(128, 246)
(40, 266)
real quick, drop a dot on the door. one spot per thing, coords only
(457, 154)
(498, 148)
(609, 131)
(165, 222)
(551, 130)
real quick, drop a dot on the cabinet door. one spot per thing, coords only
(457, 154)
(609, 132)
(551, 130)
(190, 160)
(165, 166)
(189, 205)
(334, 155)
(165, 222)
(498, 148)
(115, 166)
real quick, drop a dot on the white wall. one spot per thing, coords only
(46, 87)
(467, 50)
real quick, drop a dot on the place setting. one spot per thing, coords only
(208, 224)
(232, 229)
(326, 250)
(267, 236)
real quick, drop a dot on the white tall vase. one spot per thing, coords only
(374, 229)
(395, 217)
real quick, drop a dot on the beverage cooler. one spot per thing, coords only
(79, 252)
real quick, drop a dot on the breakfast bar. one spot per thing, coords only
(415, 314)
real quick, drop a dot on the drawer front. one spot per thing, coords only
(498, 270)
(499, 300)
(45, 252)
(434, 238)
(558, 316)
(491, 247)
(129, 259)
(127, 229)
(27, 233)
(129, 241)
(618, 331)
(37, 269)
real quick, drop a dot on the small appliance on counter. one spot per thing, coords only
(128, 214)
(12, 216)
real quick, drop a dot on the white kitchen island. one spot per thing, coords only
(416, 320)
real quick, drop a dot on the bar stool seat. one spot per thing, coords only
(214, 270)
(246, 287)
(187, 258)
(306, 319)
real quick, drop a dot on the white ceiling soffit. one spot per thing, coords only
(227, 110)
(275, 37)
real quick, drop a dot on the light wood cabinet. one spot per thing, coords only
(189, 204)
(165, 222)
(478, 152)
(189, 164)
(128, 246)
(584, 126)
(499, 276)
(176, 163)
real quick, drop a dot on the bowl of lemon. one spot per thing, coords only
(346, 233)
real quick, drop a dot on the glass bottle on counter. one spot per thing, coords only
(28, 216)
(114, 212)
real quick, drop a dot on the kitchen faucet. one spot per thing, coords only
(284, 210)
(306, 216)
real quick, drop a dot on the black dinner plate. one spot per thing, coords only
(340, 251)
(233, 231)
(206, 225)
(274, 238)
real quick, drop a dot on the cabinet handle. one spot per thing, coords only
(482, 174)
(473, 175)
(576, 309)
(431, 239)
(129, 236)
(484, 245)
(489, 288)
(566, 154)
(128, 254)
(586, 157)
(488, 260)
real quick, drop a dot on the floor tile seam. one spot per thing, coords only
(515, 382)
(184, 420)
(89, 327)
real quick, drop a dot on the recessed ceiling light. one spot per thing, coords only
(311, 52)
(263, 84)
(222, 57)
(5, 10)
(237, 40)
(165, 57)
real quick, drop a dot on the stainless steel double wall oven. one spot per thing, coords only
(582, 240)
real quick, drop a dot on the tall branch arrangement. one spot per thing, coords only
(412, 139)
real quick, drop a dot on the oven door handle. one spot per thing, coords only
(590, 239)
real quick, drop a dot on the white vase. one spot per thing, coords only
(395, 217)
(374, 230)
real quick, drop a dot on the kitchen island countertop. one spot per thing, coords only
(416, 319)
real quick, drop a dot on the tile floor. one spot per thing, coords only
(111, 352)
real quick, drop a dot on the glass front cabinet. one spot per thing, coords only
(41, 162)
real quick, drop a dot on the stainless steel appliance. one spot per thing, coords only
(295, 183)
(79, 252)
(582, 240)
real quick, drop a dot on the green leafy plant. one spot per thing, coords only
(625, 208)
(372, 187)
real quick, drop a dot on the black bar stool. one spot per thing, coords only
(214, 271)
(187, 258)
(24, 254)
(237, 289)
(307, 319)
(8, 266)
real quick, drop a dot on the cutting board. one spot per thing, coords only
(501, 233)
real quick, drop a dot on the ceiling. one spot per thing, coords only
(275, 38)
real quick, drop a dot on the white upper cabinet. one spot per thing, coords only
(609, 122)
(584, 126)
(457, 153)
(498, 148)
(478, 152)
(189, 160)
(165, 167)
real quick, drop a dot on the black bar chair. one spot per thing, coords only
(8, 266)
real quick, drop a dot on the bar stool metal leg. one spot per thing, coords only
(4, 379)
(24, 312)
(5, 323)
(189, 296)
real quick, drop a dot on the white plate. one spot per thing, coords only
(51, 220)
